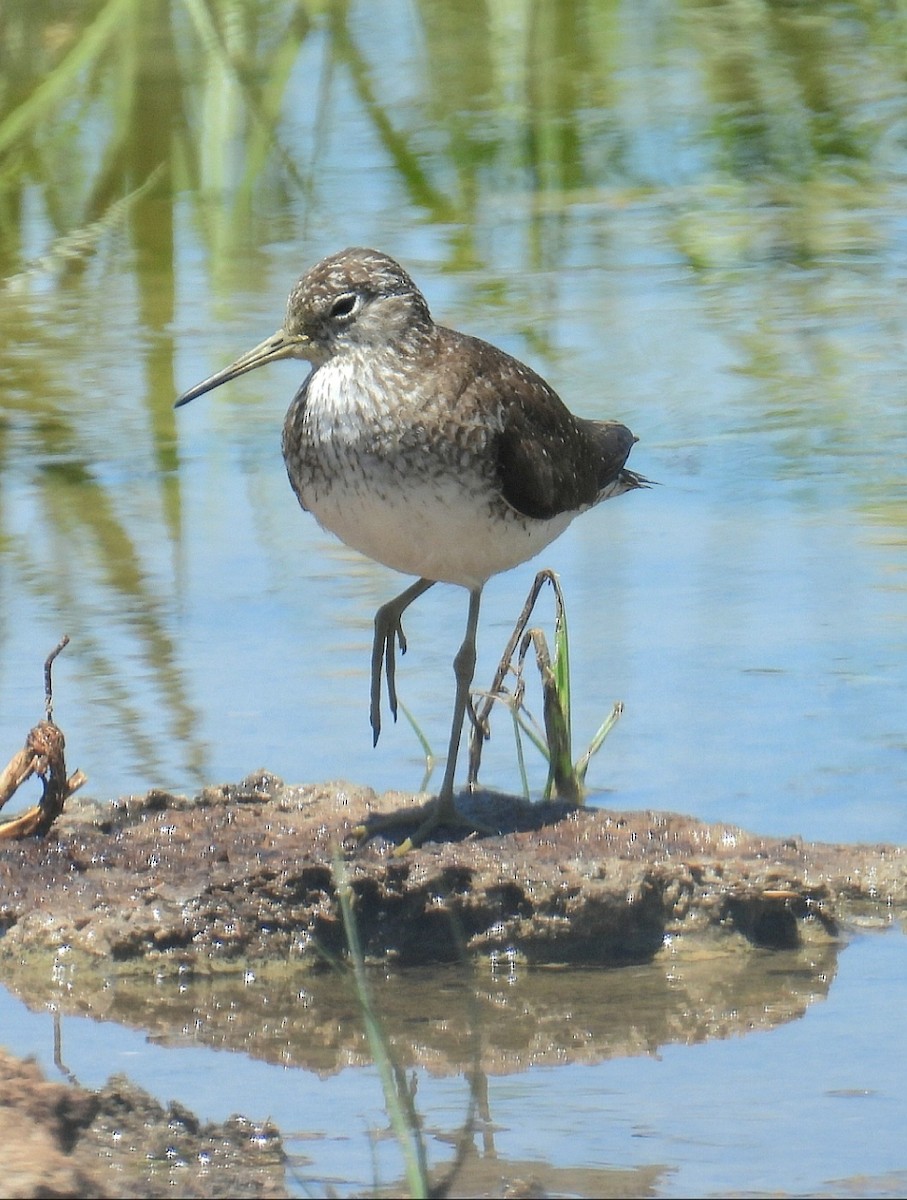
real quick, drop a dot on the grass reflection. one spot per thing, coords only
(519, 134)
(107, 110)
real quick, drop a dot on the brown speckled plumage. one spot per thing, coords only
(429, 450)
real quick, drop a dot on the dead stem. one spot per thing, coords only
(43, 756)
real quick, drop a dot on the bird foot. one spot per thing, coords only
(388, 636)
(440, 813)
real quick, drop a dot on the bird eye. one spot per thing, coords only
(344, 305)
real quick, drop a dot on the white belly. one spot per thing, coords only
(403, 484)
(432, 528)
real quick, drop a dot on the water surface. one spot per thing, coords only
(686, 216)
(807, 1101)
(707, 249)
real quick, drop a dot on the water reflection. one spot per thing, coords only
(453, 1020)
(596, 1081)
(687, 216)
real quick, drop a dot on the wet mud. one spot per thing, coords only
(198, 906)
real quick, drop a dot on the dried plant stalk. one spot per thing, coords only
(43, 756)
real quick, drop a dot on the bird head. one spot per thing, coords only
(357, 301)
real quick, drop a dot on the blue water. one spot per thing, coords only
(749, 611)
(814, 1106)
(688, 217)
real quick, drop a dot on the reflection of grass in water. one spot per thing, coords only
(56, 86)
(104, 143)
(77, 244)
(399, 1094)
(792, 163)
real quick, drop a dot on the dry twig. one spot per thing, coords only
(42, 755)
(481, 730)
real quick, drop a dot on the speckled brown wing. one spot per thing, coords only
(548, 461)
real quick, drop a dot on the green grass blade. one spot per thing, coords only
(521, 758)
(430, 760)
(562, 656)
(397, 1097)
(604, 729)
(60, 82)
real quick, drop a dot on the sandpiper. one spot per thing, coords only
(428, 450)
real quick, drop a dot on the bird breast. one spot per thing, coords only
(403, 476)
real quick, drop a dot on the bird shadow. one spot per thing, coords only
(482, 814)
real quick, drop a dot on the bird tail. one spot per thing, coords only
(632, 479)
(625, 481)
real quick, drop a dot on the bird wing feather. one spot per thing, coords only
(548, 461)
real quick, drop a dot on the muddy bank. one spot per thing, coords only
(166, 912)
(62, 1140)
(247, 872)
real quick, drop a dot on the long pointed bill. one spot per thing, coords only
(279, 345)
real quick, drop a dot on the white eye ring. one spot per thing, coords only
(344, 306)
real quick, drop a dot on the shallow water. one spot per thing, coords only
(797, 1098)
(661, 256)
(688, 217)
